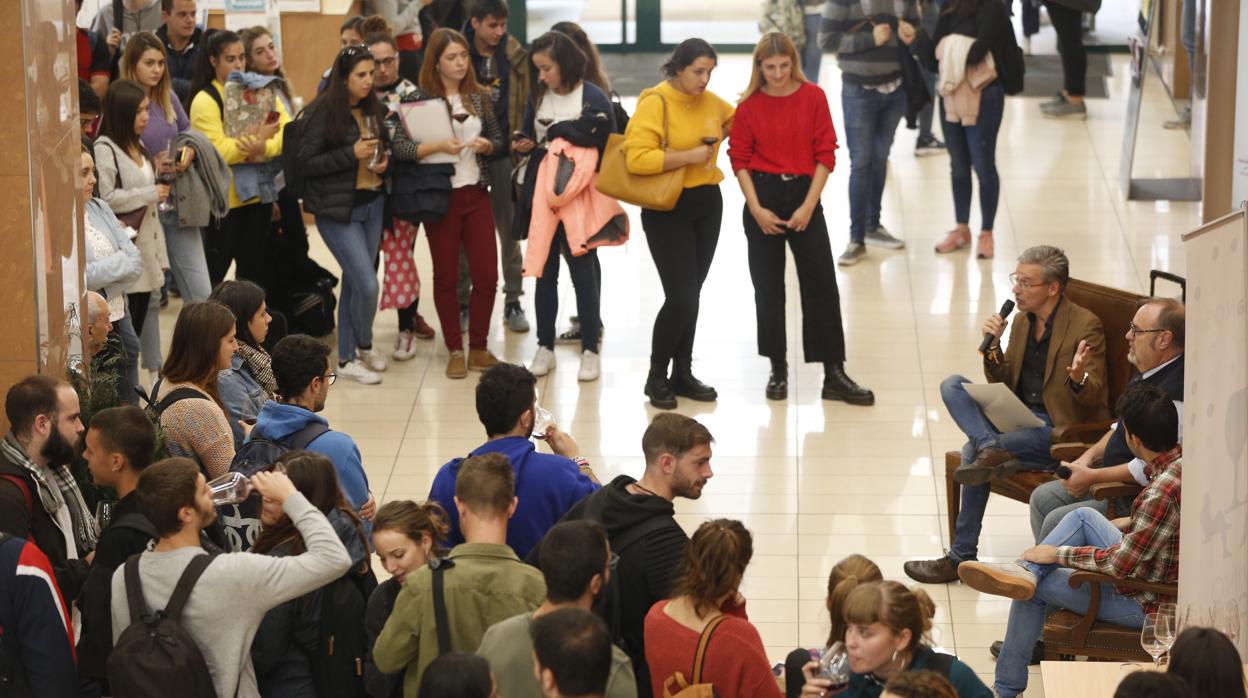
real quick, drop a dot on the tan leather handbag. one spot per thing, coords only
(658, 192)
(677, 686)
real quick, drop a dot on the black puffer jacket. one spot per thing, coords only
(329, 170)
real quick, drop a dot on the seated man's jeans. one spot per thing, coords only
(1050, 503)
(1031, 446)
(1080, 527)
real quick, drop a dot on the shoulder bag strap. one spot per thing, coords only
(704, 641)
(186, 583)
(21, 486)
(116, 172)
(663, 142)
(439, 604)
(134, 590)
(301, 439)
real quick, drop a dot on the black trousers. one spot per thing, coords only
(823, 337)
(1068, 23)
(244, 237)
(682, 243)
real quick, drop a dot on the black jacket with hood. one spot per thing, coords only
(22, 518)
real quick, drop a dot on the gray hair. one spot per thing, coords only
(1171, 316)
(96, 304)
(1051, 259)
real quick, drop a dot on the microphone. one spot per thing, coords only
(1064, 472)
(1006, 308)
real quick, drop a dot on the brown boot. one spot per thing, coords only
(455, 368)
(480, 359)
(980, 470)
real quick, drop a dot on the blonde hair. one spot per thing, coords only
(772, 44)
(846, 576)
(895, 607)
(162, 93)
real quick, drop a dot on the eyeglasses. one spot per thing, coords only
(330, 377)
(1024, 282)
(387, 62)
(1133, 330)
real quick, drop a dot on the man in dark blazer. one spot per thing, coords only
(1055, 364)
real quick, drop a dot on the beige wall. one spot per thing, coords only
(40, 211)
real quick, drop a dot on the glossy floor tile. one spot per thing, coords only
(816, 480)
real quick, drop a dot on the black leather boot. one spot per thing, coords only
(685, 385)
(838, 386)
(659, 390)
(778, 383)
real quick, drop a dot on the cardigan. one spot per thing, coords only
(137, 190)
(112, 274)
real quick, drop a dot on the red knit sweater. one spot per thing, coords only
(736, 663)
(783, 135)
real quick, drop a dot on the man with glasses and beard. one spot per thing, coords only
(641, 526)
(39, 499)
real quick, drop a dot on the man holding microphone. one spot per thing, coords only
(1055, 364)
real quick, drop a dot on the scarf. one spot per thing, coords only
(63, 491)
(260, 366)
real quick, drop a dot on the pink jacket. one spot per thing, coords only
(590, 218)
(960, 84)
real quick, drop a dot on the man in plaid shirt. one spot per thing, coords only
(1144, 546)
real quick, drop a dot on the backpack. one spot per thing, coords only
(242, 520)
(292, 169)
(155, 656)
(676, 686)
(1012, 74)
(312, 304)
(338, 664)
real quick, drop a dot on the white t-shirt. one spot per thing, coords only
(467, 171)
(558, 108)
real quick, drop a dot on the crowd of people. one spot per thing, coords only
(233, 522)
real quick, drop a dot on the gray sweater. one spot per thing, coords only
(237, 589)
(846, 30)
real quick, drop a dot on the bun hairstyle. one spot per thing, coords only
(718, 554)
(686, 53)
(376, 30)
(894, 606)
(846, 576)
(415, 521)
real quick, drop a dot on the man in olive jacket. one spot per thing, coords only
(484, 582)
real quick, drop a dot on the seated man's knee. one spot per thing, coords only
(952, 385)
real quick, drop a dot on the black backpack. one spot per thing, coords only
(242, 520)
(155, 656)
(312, 305)
(338, 665)
(292, 169)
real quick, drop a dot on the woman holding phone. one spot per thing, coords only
(447, 74)
(682, 241)
(782, 148)
(344, 156)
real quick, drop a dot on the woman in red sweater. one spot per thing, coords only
(782, 148)
(736, 663)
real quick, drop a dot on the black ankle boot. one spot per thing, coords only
(659, 390)
(685, 385)
(838, 386)
(778, 383)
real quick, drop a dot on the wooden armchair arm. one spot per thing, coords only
(1103, 491)
(1094, 580)
(1087, 432)
(1067, 450)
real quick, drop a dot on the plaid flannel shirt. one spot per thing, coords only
(1149, 551)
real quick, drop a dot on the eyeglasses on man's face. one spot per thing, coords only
(1024, 282)
(1137, 331)
(330, 377)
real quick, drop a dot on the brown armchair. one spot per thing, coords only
(1068, 634)
(1115, 308)
(1112, 492)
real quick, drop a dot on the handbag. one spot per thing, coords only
(677, 686)
(658, 192)
(131, 219)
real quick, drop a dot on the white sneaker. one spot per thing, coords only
(404, 346)
(590, 366)
(1008, 579)
(373, 359)
(543, 362)
(356, 370)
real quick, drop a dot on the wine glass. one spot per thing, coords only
(487, 71)
(834, 666)
(1166, 631)
(545, 122)
(166, 174)
(542, 420)
(370, 130)
(1155, 627)
(231, 488)
(104, 512)
(713, 133)
(1195, 616)
(1226, 618)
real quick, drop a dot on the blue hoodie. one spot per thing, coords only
(278, 421)
(547, 486)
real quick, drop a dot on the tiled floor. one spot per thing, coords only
(816, 480)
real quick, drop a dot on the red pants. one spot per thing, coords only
(469, 224)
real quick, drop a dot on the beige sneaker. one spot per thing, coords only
(480, 359)
(1008, 579)
(455, 368)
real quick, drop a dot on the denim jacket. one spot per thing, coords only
(242, 396)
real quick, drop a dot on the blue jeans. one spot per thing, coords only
(976, 146)
(1031, 446)
(149, 338)
(871, 119)
(812, 52)
(1079, 527)
(187, 261)
(355, 246)
(128, 371)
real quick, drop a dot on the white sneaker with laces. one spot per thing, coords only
(543, 362)
(591, 365)
(356, 370)
(373, 359)
(404, 346)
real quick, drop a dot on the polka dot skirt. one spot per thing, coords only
(401, 284)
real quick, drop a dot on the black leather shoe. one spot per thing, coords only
(981, 470)
(939, 571)
(1037, 652)
(660, 392)
(685, 384)
(778, 383)
(838, 386)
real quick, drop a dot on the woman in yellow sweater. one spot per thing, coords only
(243, 236)
(681, 241)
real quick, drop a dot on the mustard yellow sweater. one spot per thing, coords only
(689, 119)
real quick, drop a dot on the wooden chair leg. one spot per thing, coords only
(953, 500)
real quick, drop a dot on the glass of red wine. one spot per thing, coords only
(166, 174)
(545, 122)
(460, 117)
(710, 140)
(834, 666)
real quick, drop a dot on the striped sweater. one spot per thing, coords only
(844, 33)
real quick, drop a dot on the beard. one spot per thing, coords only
(57, 450)
(689, 489)
(207, 517)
